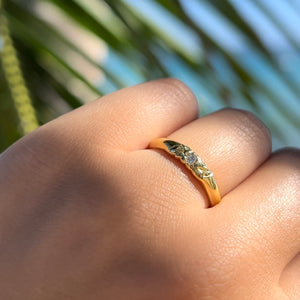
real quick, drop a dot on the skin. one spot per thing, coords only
(88, 212)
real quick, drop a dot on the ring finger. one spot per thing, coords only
(233, 143)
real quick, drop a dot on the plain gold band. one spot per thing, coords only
(194, 163)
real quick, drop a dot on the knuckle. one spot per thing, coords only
(177, 89)
(35, 160)
(250, 127)
(289, 158)
(31, 149)
(49, 142)
(48, 147)
(178, 85)
(290, 153)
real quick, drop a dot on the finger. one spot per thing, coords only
(127, 119)
(131, 117)
(233, 143)
(265, 209)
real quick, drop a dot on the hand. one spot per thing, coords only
(88, 212)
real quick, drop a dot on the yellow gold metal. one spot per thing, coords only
(194, 163)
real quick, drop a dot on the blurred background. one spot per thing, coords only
(57, 55)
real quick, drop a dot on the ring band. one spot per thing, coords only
(194, 163)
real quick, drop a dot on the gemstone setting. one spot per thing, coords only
(191, 158)
(193, 163)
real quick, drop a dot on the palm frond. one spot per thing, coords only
(133, 44)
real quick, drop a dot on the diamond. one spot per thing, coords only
(191, 158)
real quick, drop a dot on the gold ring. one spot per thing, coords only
(194, 163)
